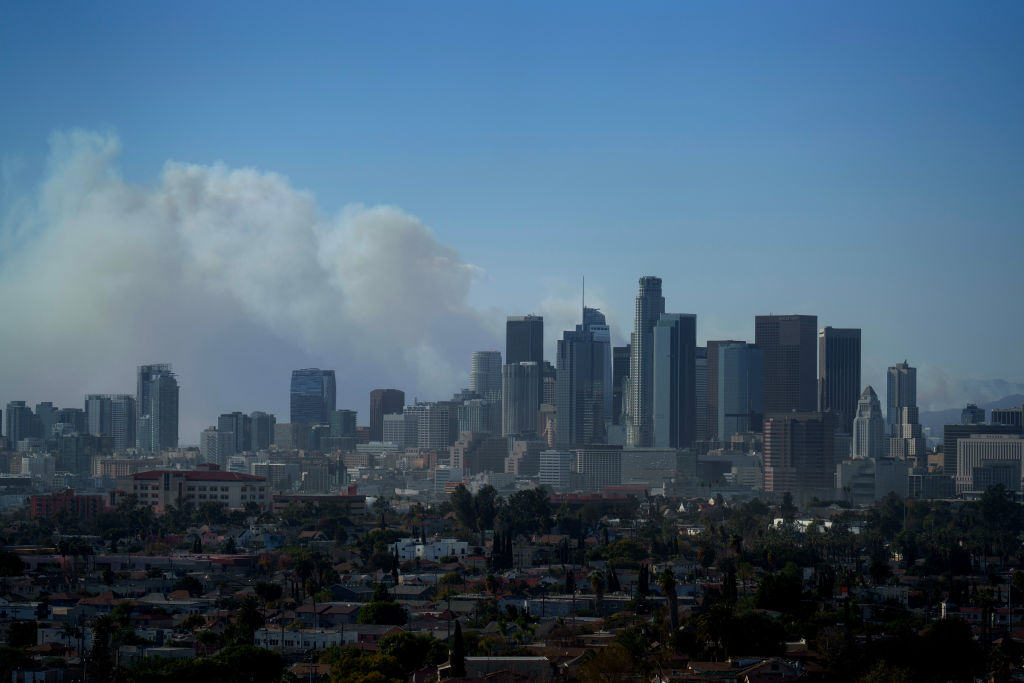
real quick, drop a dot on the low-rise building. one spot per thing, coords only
(163, 489)
(433, 550)
(82, 507)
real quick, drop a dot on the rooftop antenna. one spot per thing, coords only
(584, 297)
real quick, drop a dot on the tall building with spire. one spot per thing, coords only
(869, 427)
(650, 304)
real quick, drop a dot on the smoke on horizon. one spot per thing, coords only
(232, 275)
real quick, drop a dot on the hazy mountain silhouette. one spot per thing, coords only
(936, 419)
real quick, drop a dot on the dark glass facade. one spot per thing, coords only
(313, 396)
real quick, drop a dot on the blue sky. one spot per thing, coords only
(860, 161)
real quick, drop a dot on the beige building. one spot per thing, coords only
(162, 489)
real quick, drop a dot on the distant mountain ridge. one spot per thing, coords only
(937, 419)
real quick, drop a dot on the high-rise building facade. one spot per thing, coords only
(45, 419)
(524, 339)
(901, 392)
(839, 374)
(555, 470)
(952, 433)
(799, 452)
(19, 423)
(239, 425)
(869, 433)
(262, 430)
(700, 375)
(579, 384)
(598, 467)
(313, 396)
(1009, 416)
(977, 453)
(343, 423)
(712, 374)
(75, 417)
(519, 403)
(907, 441)
(674, 381)
(156, 404)
(485, 375)
(650, 304)
(123, 421)
(740, 385)
(383, 402)
(620, 382)
(400, 429)
(433, 424)
(790, 361)
(595, 323)
(972, 414)
(97, 412)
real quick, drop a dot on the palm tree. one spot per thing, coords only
(667, 581)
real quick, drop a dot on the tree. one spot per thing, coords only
(413, 651)
(11, 564)
(382, 613)
(458, 653)
(788, 510)
(529, 511)
(190, 584)
(485, 507)
(597, 584)
(667, 581)
(462, 505)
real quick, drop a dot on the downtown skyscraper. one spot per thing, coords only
(674, 381)
(650, 304)
(524, 339)
(384, 402)
(313, 396)
(156, 403)
(900, 392)
(839, 374)
(579, 387)
(790, 367)
(485, 375)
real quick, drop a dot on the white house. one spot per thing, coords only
(433, 550)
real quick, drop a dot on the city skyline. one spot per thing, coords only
(759, 161)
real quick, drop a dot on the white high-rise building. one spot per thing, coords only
(869, 427)
(556, 470)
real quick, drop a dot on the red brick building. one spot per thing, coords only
(82, 507)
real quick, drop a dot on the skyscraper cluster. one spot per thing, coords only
(786, 412)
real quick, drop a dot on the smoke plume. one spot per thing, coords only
(232, 275)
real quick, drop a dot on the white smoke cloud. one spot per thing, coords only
(233, 275)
